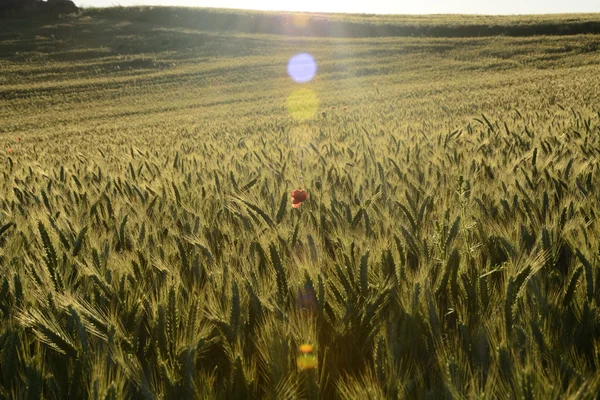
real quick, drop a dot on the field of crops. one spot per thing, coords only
(448, 246)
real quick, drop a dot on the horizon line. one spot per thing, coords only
(258, 10)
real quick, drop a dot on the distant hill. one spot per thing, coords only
(355, 25)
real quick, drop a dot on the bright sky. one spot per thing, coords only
(379, 6)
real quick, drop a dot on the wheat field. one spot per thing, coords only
(448, 246)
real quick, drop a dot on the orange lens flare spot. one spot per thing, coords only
(307, 348)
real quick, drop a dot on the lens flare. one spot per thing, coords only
(300, 20)
(306, 348)
(306, 361)
(302, 68)
(307, 299)
(302, 104)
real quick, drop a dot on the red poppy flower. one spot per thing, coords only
(18, 139)
(10, 150)
(345, 108)
(298, 196)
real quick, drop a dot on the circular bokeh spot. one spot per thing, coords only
(300, 20)
(306, 362)
(302, 104)
(302, 68)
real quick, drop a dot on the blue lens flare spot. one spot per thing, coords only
(302, 68)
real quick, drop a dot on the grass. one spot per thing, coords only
(148, 248)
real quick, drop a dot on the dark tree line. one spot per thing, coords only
(60, 6)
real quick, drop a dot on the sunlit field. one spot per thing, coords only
(442, 241)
